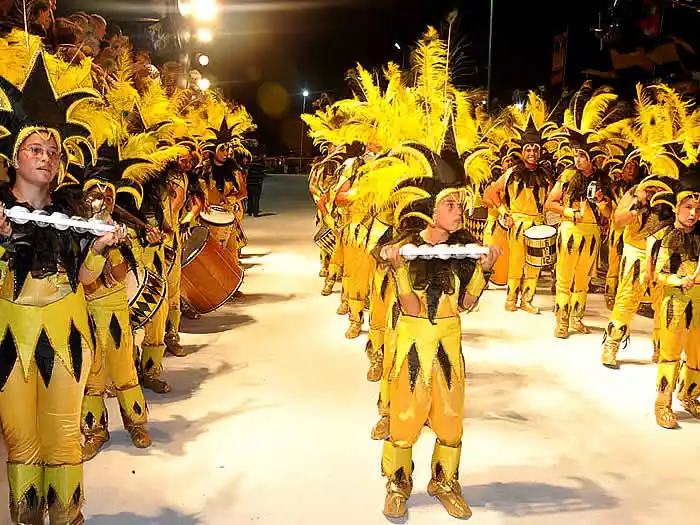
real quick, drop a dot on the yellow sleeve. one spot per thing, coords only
(477, 283)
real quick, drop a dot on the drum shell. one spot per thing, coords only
(210, 276)
(495, 235)
(476, 223)
(541, 252)
(325, 239)
(221, 230)
(145, 296)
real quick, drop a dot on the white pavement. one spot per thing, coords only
(269, 417)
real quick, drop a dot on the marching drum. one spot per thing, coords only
(325, 239)
(210, 276)
(541, 246)
(219, 221)
(146, 292)
(476, 223)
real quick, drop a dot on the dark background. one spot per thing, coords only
(265, 52)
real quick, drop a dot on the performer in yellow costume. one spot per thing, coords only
(677, 266)
(108, 306)
(428, 373)
(640, 222)
(524, 189)
(581, 195)
(45, 334)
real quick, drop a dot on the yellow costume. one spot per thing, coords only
(615, 248)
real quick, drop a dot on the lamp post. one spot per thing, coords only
(304, 94)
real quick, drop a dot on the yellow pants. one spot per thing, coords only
(615, 254)
(154, 331)
(577, 255)
(381, 298)
(630, 292)
(358, 269)
(337, 260)
(40, 412)
(426, 389)
(114, 351)
(174, 280)
(522, 278)
(495, 235)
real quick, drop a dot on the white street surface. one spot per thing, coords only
(270, 414)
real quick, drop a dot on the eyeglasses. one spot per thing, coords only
(37, 152)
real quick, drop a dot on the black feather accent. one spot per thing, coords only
(570, 244)
(656, 247)
(75, 343)
(636, 270)
(519, 231)
(90, 420)
(432, 298)
(51, 496)
(158, 264)
(675, 262)
(581, 245)
(116, 331)
(137, 408)
(623, 265)
(689, 314)
(44, 355)
(8, 357)
(93, 330)
(384, 286)
(620, 245)
(594, 243)
(445, 364)
(395, 314)
(663, 384)
(413, 366)
(77, 495)
(669, 312)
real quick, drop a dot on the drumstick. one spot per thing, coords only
(131, 218)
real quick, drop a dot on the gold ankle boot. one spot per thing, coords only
(376, 360)
(689, 390)
(528, 307)
(609, 357)
(381, 429)
(354, 330)
(444, 484)
(93, 425)
(27, 504)
(343, 309)
(561, 331)
(63, 489)
(397, 466)
(578, 326)
(328, 287)
(665, 416)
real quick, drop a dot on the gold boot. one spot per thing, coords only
(94, 426)
(444, 484)
(172, 335)
(512, 295)
(328, 286)
(344, 308)
(381, 429)
(689, 391)
(356, 318)
(578, 308)
(529, 287)
(27, 504)
(63, 490)
(666, 384)
(397, 466)
(561, 331)
(614, 335)
(375, 353)
(578, 326)
(354, 330)
(152, 366)
(132, 406)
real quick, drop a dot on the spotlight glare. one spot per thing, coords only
(305, 93)
(203, 60)
(205, 10)
(184, 7)
(204, 35)
(204, 84)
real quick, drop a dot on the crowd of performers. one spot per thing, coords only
(123, 201)
(416, 174)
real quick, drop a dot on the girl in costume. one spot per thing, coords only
(46, 339)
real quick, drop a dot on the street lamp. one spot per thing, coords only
(203, 60)
(397, 46)
(304, 94)
(204, 35)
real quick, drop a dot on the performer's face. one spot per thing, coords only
(582, 161)
(448, 214)
(38, 159)
(100, 200)
(531, 155)
(630, 171)
(507, 163)
(688, 212)
(184, 162)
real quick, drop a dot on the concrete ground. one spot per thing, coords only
(270, 414)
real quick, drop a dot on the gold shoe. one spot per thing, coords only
(173, 347)
(662, 410)
(139, 436)
(511, 305)
(354, 330)
(323, 272)
(327, 288)
(395, 505)
(529, 308)
(343, 309)
(561, 331)
(579, 327)
(94, 443)
(450, 496)
(156, 385)
(609, 357)
(375, 371)
(381, 429)
(692, 406)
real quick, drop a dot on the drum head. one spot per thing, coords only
(197, 241)
(218, 216)
(133, 282)
(478, 213)
(540, 232)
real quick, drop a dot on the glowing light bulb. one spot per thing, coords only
(204, 35)
(203, 60)
(305, 93)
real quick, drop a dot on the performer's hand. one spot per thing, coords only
(392, 253)
(185, 234)
(687, 283)
(488, 261)
(154, 236)
(103, 241)
(5, 226)
(599, 196)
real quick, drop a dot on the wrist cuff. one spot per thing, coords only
(94, 262)
(403, 281)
